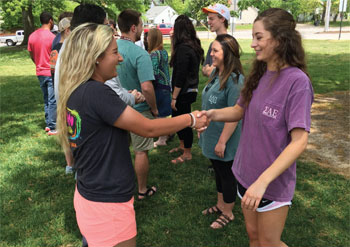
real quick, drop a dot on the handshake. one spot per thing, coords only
(201, 120)
(139, 98)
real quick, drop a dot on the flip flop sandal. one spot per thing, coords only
(212, 210)
(149, 192)
(223, 221)
(180, 160)
(173, 150)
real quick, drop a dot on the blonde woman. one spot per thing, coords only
(162, 85)
(93, 123)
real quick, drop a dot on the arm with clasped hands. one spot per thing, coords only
(227, 114)
(133, 121)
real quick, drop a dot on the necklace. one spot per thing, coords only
(125, 38)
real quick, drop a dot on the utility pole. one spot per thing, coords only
(233, 24)
(328, 13)
(342, 9)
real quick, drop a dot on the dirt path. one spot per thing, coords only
(329, 140)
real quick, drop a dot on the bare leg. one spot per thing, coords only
(128, 243)
(265, 229)
(69, 158)
(141, 169)
(251, 225)
(179, 148)
(187, 153)
(271, 225)
(226, 209)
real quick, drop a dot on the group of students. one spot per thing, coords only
(252, 129)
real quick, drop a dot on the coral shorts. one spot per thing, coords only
(105, 223)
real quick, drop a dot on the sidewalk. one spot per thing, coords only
(306, 31)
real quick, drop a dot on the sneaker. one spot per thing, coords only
(69, 170)
(52, 132)
(47, 129)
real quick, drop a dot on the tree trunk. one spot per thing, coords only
(324, 12)
(335, 17)
(28, 23)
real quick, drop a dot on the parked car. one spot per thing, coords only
(12, 40)
(164, 28)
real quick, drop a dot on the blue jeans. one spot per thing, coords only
(50, 107)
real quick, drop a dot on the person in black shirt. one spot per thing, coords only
(187, 55)
(93, 123)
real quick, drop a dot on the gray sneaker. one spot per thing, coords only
(69, 170)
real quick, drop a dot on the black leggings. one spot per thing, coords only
(183, 105)
(226, 182)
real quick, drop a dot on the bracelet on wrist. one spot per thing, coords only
(173, 98)
(193, 120)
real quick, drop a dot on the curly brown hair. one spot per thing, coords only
(289, 50)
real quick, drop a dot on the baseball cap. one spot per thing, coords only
(218, 8)
(64, 24)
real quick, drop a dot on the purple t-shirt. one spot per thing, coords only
(279, 104)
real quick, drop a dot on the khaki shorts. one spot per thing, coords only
(140, 143)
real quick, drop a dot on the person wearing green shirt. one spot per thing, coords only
(136, 72)
(220, 140)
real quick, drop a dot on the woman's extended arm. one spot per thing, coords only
(133, 121)
(227, 114)
(255, 192)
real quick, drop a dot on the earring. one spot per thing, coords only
(97, 62)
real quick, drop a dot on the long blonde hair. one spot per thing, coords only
(155, 38)
(82, 48)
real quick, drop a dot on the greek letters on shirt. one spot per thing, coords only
(270, 112)
(212, 99)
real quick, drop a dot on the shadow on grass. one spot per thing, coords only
(22, 108)
(13, 52)
(329, 72)
(37, 197)
(314, 211)
(20, 94)
(37, 200)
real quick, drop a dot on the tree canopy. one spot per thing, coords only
(24, 14)
(296, 7)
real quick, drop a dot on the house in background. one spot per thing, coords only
(161, 14)
(246, 16)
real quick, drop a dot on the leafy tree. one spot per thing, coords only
(296, 7)
(179, 6)
(194, 9)
(25, 13)
(261, 5)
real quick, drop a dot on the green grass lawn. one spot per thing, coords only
(36, 195)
